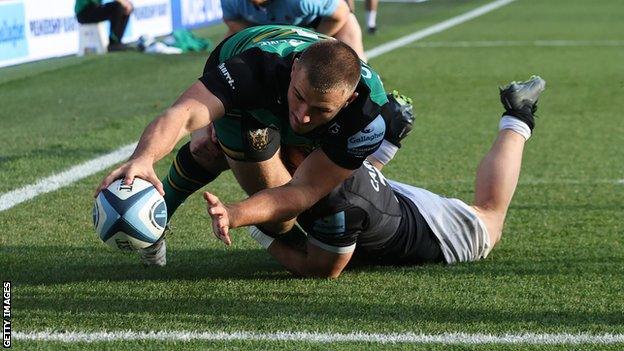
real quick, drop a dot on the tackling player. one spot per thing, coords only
(329, 17)
(376, 221)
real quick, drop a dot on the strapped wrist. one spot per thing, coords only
(264, 240)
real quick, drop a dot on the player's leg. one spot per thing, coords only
(93, 14)
(186, 176)
(498, 172)
(351, 34)
(351, 5)
(113, 12)
(497, 177)
(252, 151)
(118, 22)
(196, 164)
(257, 176)
(371, 15)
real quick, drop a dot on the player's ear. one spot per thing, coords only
(295, 66)
(351, 98)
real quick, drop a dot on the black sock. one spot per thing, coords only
(185, 177)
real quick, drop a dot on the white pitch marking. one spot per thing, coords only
(507, 43)
(64, 178)
(445, 338)
(436, 28)
(54, 182)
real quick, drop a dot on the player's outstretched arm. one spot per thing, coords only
(220, 218)
(314, 178)
(195, 108)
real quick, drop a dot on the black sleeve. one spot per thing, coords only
(243, 81)
(338, 232)
(350, 146)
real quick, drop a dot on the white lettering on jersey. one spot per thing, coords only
(305, 33)
(227, 75)
(366, 73)
(376, 176)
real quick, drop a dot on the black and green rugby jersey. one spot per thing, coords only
(82, 4)
(366, 216)
(250, 71)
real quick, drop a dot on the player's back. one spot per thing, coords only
(365, 212)
(284, 41)
(279, 39)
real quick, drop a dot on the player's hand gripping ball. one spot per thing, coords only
(130, 217)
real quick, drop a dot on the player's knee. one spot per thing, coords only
(495, 236)
(206, 154)
(117, 7)
(197, 144)
(493, 220)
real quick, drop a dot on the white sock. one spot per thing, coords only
(386, 152)
(371, 18)
(264, 240)
(516, 125)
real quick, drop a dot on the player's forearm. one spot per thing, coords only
(270, 205)
(161, 135)
(290, 258)
(301, 263)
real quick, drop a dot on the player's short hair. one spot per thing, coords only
(331, 65)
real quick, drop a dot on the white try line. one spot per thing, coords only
(508, 43)
(415, 338)
(57, 181)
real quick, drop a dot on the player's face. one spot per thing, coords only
(309, 108)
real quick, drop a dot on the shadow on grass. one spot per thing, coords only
(57, 265)
(237, 269)
(307, 309)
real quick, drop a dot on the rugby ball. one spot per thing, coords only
(129, 216)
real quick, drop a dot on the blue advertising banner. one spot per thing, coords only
(195, 13)
(13, 43)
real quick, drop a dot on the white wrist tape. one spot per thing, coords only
(264, 240)
(386, 152)
(516, 125)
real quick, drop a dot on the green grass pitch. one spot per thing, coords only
(559, 268)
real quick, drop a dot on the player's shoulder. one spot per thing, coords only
(371, 84)
(366, 182)
(278, 39)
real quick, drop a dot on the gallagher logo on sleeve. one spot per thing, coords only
(368, 138)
